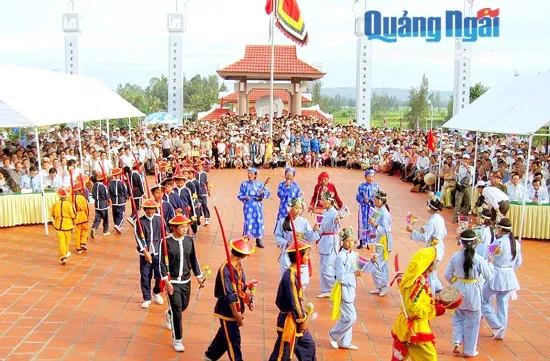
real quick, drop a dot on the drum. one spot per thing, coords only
(429, 179)
(450, 297)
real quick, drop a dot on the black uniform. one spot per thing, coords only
(151, 239)
(228, 338)
(188, 208)
(291, 310)
(202, 178)
(137, 191)
(119, 196)
(193, 188)
(100, 194)
(182, 259)
(168, 213)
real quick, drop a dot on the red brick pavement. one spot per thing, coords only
(90, 308)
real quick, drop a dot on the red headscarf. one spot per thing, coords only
(321, 176)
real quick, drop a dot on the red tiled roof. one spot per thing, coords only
(217, 114)
(314, 113)
(257, 60)
(256, 94)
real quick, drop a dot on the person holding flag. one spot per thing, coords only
(148, 235)
(119, 195)
(82, 225)
(100, 194)
(293, 337)
(176, 274)
(231, 290)
(63, 214)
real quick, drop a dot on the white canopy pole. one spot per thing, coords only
(44, 215)
(525, 178)
(110, 156)
(130, 132)
(474, 174)
(80, 150)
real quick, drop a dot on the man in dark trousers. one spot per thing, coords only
(148, 246)
(182, 259)
(230, 304)
(204, 190)
(293, 336)
(100, 194)
(137, 191)
(186, 198)
(119, 195)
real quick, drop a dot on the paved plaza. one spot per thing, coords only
(90, 308)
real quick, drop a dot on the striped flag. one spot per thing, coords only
(289, 20)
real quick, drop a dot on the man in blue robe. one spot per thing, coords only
(252, 193)
(365, 198)
(286, 191)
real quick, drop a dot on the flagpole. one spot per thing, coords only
(272, 69)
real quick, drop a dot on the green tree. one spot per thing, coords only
(134, 95)
(315, 89)
(450, 108)
(476, 91)
(418, 106)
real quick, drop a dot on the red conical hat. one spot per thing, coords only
(150, 203)
(77, 187)
(63, 192)
(179, 176)
(100, 176)
(243, 245)
(301, 246)
(117, 171)
(180, 219)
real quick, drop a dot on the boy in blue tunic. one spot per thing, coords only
(365, 198)
(286, 191)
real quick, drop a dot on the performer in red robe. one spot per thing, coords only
(323, 186)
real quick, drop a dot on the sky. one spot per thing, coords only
(126, 41)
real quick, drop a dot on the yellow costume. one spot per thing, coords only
(411, 332)
(63, 214)
(82, 228)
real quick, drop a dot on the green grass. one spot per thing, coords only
(394, 118)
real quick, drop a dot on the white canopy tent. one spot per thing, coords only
(32, 98)
(519, 106)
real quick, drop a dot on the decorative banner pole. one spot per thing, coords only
(71, 28)
(176, 27)
(363, 69)
(461, 91)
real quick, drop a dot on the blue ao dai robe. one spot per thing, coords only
(345, 266)
(365, 197)
(285, 195)
(467, 316)
(433, 229)
(328, 248)
(253, 209)
(284, 239)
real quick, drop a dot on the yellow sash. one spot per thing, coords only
(289, 332)
(336, 298)
(384, 241)
(463, 280)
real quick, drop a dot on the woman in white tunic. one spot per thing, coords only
(382, 224)
(328, 244)
(506, 257)
(304, 232)
(432, 234)
(464, 271)
(346, 271)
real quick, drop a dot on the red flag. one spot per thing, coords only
(269, 7)
(431, 141)
(488, 12)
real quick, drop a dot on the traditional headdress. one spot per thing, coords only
(418, 265)
(295, 201)
(290, 169)
(323, 175)
(117, 171)
(380, 194)
(468, 236)
(150, 203)
(63, 192)
(370, 172)
(252, 170)
(179, 219)
(346, 233)
(505, 224)
(301, 246)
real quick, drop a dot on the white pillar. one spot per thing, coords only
(176, 27)
(463, 59)
(363, 73)
(71, 28)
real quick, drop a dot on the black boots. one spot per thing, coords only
(259, 243)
